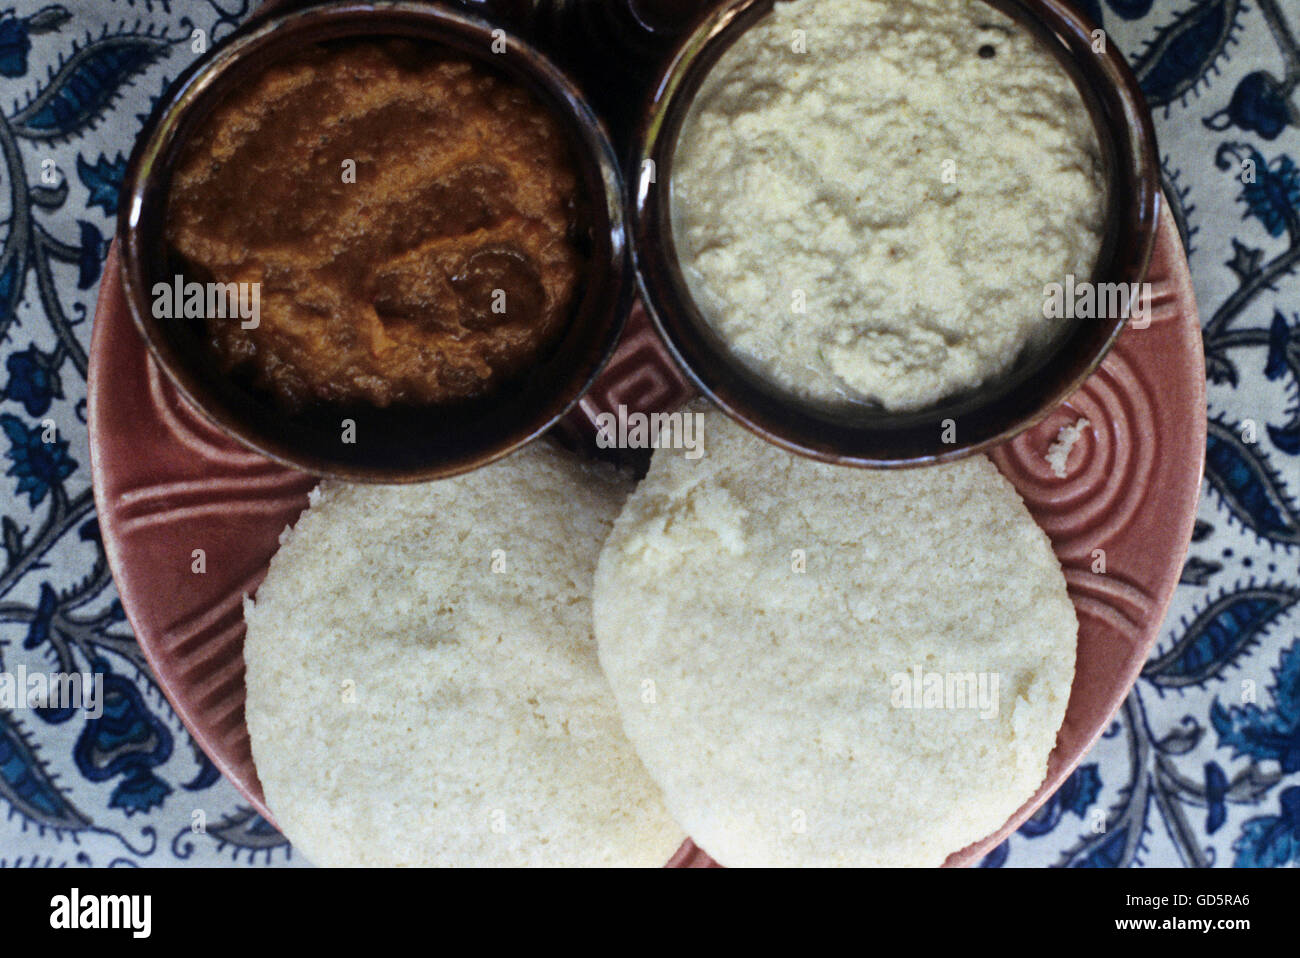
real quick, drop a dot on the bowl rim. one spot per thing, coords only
(609, 269)
(781, 418)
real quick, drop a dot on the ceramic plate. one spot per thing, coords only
(168, 484)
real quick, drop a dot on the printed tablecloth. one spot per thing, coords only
(1201, 766)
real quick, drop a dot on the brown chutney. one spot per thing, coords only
(410, 216)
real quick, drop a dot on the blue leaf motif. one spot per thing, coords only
(1274, 195)
(1271, 734)
(38, 631)
(249, 831)
(11, 287)
(1239, 473)
(1183, 52)
(92, 252)
(14, 46)
(103, 180)
(83, 88)
(1278, 333)
(26, 786)
(1219, 634)
(39, 465)
(1216, 789)
(1272, 841)
(33, 380)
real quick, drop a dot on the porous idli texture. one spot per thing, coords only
(423, 687)
(774, 629)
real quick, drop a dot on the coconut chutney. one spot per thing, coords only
(869, 197)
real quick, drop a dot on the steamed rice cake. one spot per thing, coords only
(423, 687)
(783, 637)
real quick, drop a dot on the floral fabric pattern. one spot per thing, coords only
(1200, 767)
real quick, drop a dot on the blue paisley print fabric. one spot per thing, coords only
(1200, 767)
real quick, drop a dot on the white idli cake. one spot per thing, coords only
(830, 666)
(423, 687)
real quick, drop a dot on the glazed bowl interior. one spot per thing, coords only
(859, 433)
(397, 443)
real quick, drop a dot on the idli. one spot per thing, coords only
(823, 665)
(423, 687)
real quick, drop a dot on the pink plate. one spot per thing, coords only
(168, 483)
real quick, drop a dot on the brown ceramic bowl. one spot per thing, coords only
(393, 444)
(985, 417)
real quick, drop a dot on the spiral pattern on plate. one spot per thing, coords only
(1109, 468)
